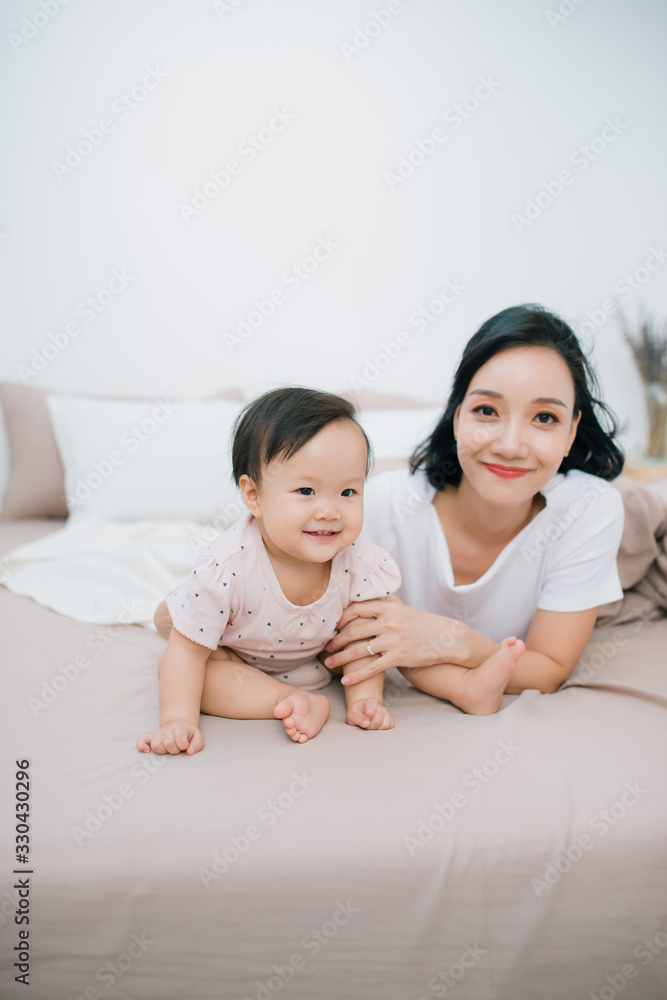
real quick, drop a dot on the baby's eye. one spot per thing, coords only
(306, 491)
(546, 418)
(348, 492)
(485, 410)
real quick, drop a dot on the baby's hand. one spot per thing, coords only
(369, 713)
(173, 737)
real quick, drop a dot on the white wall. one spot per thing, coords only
(219, 72)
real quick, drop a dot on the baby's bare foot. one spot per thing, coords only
(303, 714)
(482, 687)
(368, 713)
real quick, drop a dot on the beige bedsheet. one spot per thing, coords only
(517, 857)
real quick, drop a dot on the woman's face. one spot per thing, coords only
(515, 424)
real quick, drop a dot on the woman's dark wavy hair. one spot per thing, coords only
(280, 422)
(594, 449)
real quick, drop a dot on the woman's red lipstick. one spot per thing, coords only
(506, 471)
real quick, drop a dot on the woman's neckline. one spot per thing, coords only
(502, 554)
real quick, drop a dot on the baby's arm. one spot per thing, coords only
(181, 675)
(364, 702)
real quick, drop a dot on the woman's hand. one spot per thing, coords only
(399, 635)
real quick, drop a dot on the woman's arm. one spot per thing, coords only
(555, 641)
(406, 637)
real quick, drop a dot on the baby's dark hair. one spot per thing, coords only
(278, 423)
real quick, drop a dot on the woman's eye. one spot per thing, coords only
(305, 491)
(348, 493)
(485, 410)
(546, 418)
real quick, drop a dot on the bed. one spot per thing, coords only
(514, 857)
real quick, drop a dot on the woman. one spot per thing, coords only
(503, 524)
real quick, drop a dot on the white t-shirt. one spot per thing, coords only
(563, 560)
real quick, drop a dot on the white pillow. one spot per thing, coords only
(396, 433)
(145, 460)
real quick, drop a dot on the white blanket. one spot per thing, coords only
(103, 571)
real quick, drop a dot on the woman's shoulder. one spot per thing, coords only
(581, 490)
(583, 513)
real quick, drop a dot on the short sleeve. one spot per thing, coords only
(202, 605)
(373, 572)
(581, 570)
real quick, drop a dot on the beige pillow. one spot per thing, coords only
(36, 480)
(372, 401)
(387, 401)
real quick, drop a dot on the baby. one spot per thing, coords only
(247, 627)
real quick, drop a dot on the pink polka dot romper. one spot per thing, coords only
(232, 598)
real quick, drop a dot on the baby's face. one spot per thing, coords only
(312, 503)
